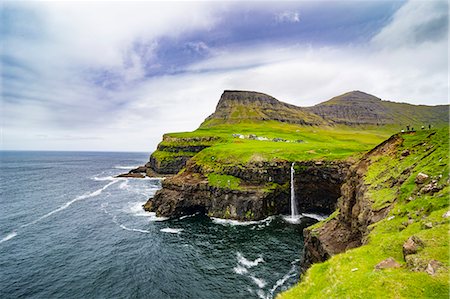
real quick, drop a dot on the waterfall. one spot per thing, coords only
(294, 212)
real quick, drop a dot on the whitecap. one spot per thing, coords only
(134, 229)
(189, 216)
(69, 203)
(171, 230)
(280, 282)
(261, 283)
(104, 178)
(136, 209)
(124, 184)
(240, 270)
(237, 222)
(247, 263)
(8, 236)
(318, 217)
(125, 167)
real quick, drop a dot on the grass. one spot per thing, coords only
(351, 274)
(224, 181)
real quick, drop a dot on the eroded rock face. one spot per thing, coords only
(316, 186)
(189, 193)
(350, 227)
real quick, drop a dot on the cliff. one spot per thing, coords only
(391, 222)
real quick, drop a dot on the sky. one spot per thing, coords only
(115, 76)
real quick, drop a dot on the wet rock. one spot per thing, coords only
(412, 245)
(387, 263)
(433, 266)
(421, 178)
(131, 175)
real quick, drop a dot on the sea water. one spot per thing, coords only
(70, 229)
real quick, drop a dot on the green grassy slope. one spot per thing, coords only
(414, 212)
(300, 143)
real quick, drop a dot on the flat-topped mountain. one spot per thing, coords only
(359, 108)
(351, 108)
(237, 106)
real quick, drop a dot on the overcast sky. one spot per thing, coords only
(115, 76)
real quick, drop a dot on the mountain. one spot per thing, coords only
(239, 106)
(359, 108)
(351, 108)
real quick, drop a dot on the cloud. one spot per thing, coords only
(416, 22)
(288, 16)
(116, 76)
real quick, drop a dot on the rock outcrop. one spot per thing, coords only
(350, 226)
(264, 191)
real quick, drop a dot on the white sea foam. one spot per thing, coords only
(69, 203)
(318, 217)
(171, 230)
(261, 283)
(247, 263)
(8, 236)
(134, 229)
(104, 178)
(280, 282)
(136, 209)
(126, 167)
(188, 216)
(122, 226)
(240, 270)
(293, 219)
(124, 184)
(237, 222)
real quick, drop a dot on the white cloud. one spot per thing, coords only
(65, 111)
(288, 17)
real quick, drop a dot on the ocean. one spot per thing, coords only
(69, 229)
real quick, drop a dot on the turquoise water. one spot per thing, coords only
(69, 229)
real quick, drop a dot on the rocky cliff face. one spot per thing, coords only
(349, 227)
(264, 191)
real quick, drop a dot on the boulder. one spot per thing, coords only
(433, 266)
(421, 178)
(412, 245)
(387, 263)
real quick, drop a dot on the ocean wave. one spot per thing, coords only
(69, 203)
(136, 209)
(126, 167)
(8, 236)
(280, 282)
(171, 230)
(188, 216)
(237, 222)
(248, 263)
(240, 270)
(318, 217)
(261, 283)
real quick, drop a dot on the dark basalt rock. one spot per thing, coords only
(350, 227)
(189, 193)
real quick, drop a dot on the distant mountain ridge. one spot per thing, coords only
(351, 108)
